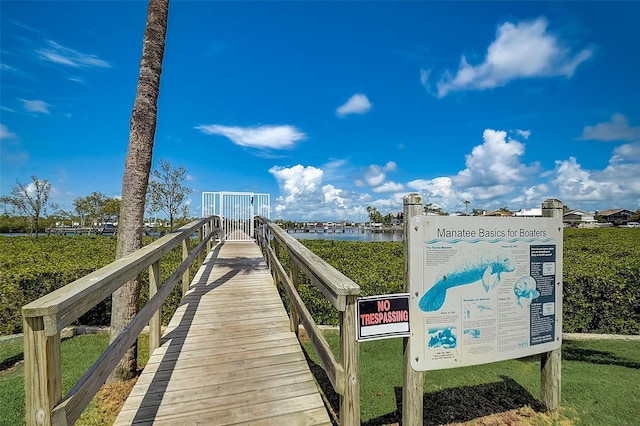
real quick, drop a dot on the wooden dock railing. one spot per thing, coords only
(44, 319)
(339, 290)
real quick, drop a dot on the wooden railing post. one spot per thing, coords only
(276, 251)
(293, 317)
(209, 231)
(155, 281)
(349, 351)
(186, 277)
(551, 362)
(200, 239)
(266, 243)
(413, 381)
(42, 372)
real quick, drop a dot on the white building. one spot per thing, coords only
(579, 218)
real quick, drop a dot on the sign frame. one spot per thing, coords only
(452, 281)
(394, 323)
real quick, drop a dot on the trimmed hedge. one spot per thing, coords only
(601, 276)
(602, 280)
(32, 267)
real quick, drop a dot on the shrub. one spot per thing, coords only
(32, 267)
(601, 277)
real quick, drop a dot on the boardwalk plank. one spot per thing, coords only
(295, 408)
(228, 356)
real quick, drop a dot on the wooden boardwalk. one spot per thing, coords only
(228, 356)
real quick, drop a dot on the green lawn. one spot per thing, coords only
(600, 382)
(78, 353)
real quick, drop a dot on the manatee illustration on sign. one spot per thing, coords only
(468, 268)
(525, 291)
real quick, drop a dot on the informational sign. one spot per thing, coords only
(382, 317)
(483, 289)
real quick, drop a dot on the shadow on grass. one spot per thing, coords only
(9, 363)
(572, 352)
(12, 361)
(454, 405)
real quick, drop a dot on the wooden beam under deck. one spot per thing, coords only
(228, 355)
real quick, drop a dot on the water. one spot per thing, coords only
(349, 236)
(346, 236)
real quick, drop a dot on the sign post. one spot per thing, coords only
(484, 289)
(550, 362)
(413, 381)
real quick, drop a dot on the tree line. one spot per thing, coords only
(26, 208)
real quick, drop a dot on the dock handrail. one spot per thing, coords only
(44, 319)
(339, 290)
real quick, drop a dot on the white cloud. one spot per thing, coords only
(389, 187)
(357, 104)
(576, 184)
(5, 133)
(36, 106)
(617, 129)
(375, 175)
(7, 67)
(58, 54)
(493, 173)
(626, 153)
(297, 180)
(530, 196)
(494, 176)
(305, 197)
(76, 80)
(524, 133)
(496, 162)
(521, 50)
(438, 192)
(11, 152)
(274, 137)
(333, 195)
(424, 77)
(617, 185)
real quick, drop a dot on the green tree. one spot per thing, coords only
(82, 208)
(135, 179)
(428, 208)
(111, 210)
(30, 200)
(466, 206)
(635, 217)
(166, 192)
(59, 215)
(374, 215)
(98, 207)
(90, 207)
(388, 219)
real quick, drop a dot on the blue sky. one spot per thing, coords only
(331, 107)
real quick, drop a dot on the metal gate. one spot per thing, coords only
(236, 211)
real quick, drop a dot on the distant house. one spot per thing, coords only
(616, 216)
(499, 212)
(579, 218)
(535, 212)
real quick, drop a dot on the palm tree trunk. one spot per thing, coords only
(136, 174)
